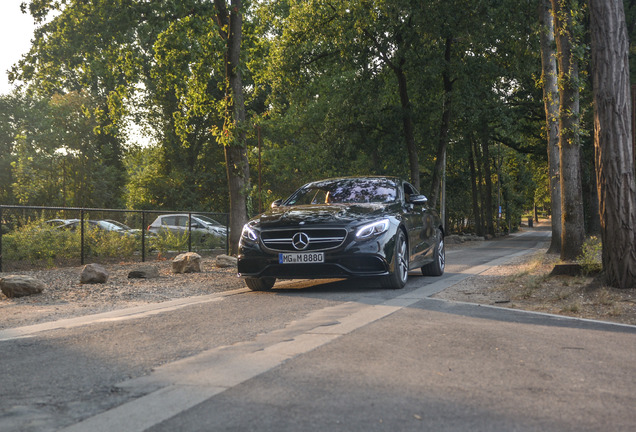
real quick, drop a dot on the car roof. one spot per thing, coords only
(185, 214)
(369, 177)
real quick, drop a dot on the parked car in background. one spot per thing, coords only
(178, 224)
(59, 222)
(102, 225)
(121, 226)
(379, 227)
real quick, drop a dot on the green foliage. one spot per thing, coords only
(320, 79)
(155, 63)
(54, 156)
(110, 244)
(202, 241)
(174, 242)
(335, 105)
(167, 241)
(591, 256)
(37, 241)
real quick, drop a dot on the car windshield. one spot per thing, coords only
(109, 226)
(208, 220)
(117, 224)
(345, 191)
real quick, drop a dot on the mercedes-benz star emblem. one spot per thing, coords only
(300, 241)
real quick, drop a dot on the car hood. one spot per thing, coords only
(332, 214)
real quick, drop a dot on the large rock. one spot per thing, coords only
(147, 272)
(20, 286)
(225, 261)
(189, 262)
(94, 274)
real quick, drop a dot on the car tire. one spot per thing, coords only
(260, 284)
(436, 268)
(400, 275)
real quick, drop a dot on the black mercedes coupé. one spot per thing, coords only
(377, 227)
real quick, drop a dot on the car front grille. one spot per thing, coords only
(319, 239)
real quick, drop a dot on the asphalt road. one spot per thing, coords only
(324, 356)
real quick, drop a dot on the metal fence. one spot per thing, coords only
(44, 237)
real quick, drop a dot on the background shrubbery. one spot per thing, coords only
(166, 242)
(38, 243)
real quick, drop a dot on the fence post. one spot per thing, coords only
(0, 239)
(227, 233)
(189, 232)
(82, 236)
(143, 236)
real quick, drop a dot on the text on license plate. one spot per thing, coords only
(301, 258)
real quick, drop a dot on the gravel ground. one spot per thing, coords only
(525, 283)
(65, 297)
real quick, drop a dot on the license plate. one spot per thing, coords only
(301, 258)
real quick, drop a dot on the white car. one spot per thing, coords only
(178, 224)
(105, 225)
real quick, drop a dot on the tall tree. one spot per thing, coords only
(440, 160)
(567, 28)
(488, 206)
(355, 44)
(159, 63)
(75, 51)
(9, 107)
(551, 104)
(613, 141)
(234, 129)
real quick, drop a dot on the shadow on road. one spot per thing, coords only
(518, 316)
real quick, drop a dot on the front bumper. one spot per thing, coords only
(335, 266)
(351, 259)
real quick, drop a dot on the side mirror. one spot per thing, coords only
(276, 203)
(418, 199)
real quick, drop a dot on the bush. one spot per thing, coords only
(207, 241)
(38, 241)
(591, 258)
(167, 241)
(110, 244)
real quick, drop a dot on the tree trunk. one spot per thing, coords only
(480, 188)
(407, 121)
(573, 223)
(551, 103)
(612, 141)
(445, 125)
(395, 60)
(485, 136)
(474, 182)
(590, 193)
(237, 166)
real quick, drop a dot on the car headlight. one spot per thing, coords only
(372, 229)
(249, 233)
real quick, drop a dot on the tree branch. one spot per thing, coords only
(518, 146)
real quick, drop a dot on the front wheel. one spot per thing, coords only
(436, 268)
(260, 284)
(400, 275)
